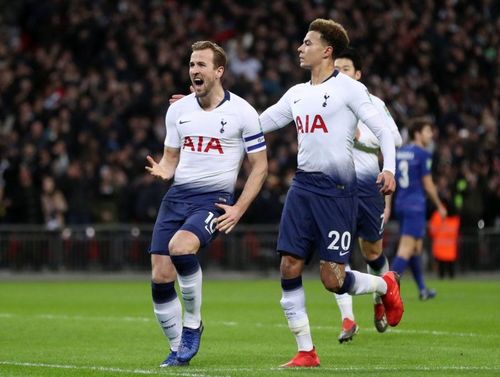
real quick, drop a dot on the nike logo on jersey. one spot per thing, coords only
(342, 253)
(297, 100)
(184, 121)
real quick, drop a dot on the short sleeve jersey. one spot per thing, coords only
(325, 117)
(412, 164)
(212, 143)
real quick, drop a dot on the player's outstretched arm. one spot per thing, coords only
(164, 169)
(256, 178)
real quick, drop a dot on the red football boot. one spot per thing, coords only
(303, 359)
(393, 303)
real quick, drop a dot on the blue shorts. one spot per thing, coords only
(411, 223)
(196, 217)
(370, 224)
(311, 221)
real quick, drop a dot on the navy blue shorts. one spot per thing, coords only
(311, 221)
(370, 224)
(411, 223)
(199, 218)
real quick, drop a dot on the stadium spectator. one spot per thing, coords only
(95, 65)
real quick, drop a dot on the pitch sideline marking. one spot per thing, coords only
(234, 324)
(107, 369)
(199, 372)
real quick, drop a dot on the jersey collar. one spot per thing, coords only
(227, 97)
(334, 74)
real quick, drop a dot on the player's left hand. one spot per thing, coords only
(231, 216)
(387, 182)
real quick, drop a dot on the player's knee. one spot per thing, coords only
(183, 243)
(332, 276)
(163, 273)
(290, 267)
(331, 283)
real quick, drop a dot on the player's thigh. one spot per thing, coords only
(412, 223)
(198, 230)
(162, 269)
(335, 222)
(370, 218)
(169, 220)
(296, 232)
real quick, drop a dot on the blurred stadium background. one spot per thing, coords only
(84, 87)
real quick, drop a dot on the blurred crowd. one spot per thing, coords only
(84, 87)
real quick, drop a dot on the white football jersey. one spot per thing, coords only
(212, 143)
(326, 116)
(366, 150)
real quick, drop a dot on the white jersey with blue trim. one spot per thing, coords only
(326, 116)
(212, 143)
(366, 150)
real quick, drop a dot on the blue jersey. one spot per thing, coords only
(412, 164)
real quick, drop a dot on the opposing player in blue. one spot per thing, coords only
(208, 133)
(414, 177)
(321, 205)
(372, 210)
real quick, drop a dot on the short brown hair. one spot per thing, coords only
(417, 125)
(332, 33)
(220, 58)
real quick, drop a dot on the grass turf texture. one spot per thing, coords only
(108, 329)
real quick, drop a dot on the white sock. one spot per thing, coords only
(169, 316)
(383, 270)
(294, 306)
(366, 283)
(344, 302)
(190, 287)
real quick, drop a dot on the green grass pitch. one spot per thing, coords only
(90, 328)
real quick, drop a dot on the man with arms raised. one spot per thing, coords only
(208, 133)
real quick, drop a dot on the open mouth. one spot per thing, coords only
(198, 83)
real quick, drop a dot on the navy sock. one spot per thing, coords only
(415, 263)
(399, 265)
(185, 264)
(163, 292)
(291, 284)
(348, 283)
(378, 263)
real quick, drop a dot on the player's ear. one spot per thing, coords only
(328, 51)
(219, 72)
(357, 75)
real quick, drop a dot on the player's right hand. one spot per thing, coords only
(156, 169)
(442, 211)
